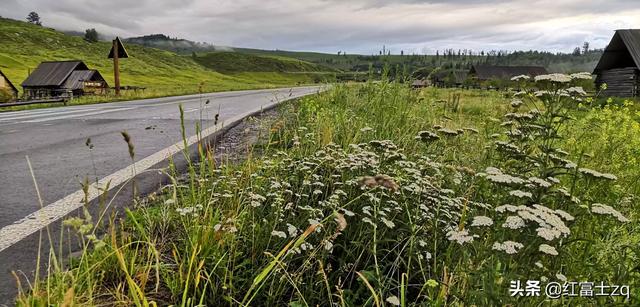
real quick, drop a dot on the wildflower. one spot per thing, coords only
(577, 90)
(539, 264)
(563, 214)
(520, 77)
(581, 75)
(540, 182)
(388, 223)
(604, 209)
(514, 222)
(460, 236)
(596, 174)
(368, 221)
(548, 249)
(516, 103)
(509, 247)
(366, 129)
(448, 132)
(427, 136)
(379, 180)
(292, 230)
(561, 277)
(328, 246)
(496, 175)
(548, 234)
(393, 300)
(503, 208)
(557, 78)
(481, 220)
(520, 194)
(317, 192)
(280, 234)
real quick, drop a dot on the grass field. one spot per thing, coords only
(378, 195)
(163, 73)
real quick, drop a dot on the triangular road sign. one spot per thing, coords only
(122, 53)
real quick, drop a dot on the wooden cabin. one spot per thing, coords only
(419, 83)
(63, 79)
(6, 85)
(619, 66)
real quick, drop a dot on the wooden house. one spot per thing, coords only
(619, 66)
(63, 79)
(448, 78)
(419, 83)
(6, 85)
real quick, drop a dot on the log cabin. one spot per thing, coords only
(63, 79)
(619, 66)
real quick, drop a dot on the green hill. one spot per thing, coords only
(25, 45)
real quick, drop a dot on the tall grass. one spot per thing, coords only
(378, 195)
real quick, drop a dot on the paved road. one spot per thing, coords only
(54, 139)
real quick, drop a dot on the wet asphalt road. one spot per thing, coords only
(54, 139)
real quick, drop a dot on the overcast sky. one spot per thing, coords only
(354, 26)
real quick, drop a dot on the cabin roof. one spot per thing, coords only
(8, 81)
(623, 51)
(53, 73)
(486, 72)
(77, 77)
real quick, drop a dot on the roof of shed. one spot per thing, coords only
(622, 51)
(486, 72)
(8, 81)
(53, 73)
(77, 77)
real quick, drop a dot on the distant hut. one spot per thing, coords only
(491, 72)
(619, 66)
(6, 85)
(63, 78)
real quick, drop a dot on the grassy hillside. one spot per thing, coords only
(233, 62)
(25, 45)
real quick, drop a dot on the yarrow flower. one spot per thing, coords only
(520, 77)
(427, 136)
(596, 174)
(513, 222)
(548, 249)
(509, 247)
(481, 220)
(558, 78)
(581, 75)
(605, 209)
(460, 236)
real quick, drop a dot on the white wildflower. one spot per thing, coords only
(514, 222)
(558, 78)
(605, 209)
(460, 236)
(581, 75)
(563, 214)
(366, 129)
(509, 247)
(577, 90)
(280, 234)
(481, 220)
(520, 77)
(548, 234)
(393, 300)
(539, 264)
(561, 277)
(292, 230)
(504, 208)
(520, 194)
(388, 223)
(548, 249)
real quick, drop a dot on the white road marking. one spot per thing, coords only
(16, 232)
(43, 114)
(74, 115)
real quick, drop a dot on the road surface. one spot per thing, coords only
(55, 140)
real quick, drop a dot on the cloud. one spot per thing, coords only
(355, 26)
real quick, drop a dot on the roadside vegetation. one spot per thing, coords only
(377, 194)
